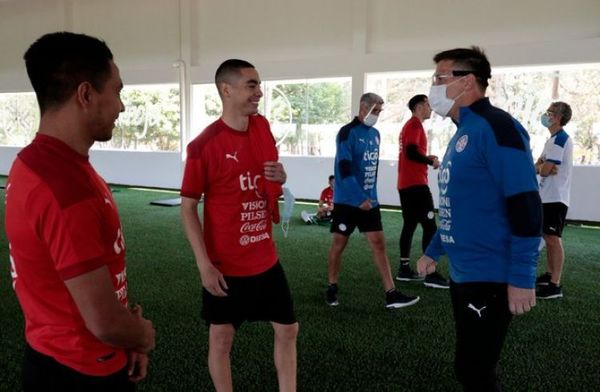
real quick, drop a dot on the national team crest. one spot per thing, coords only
(461, 143)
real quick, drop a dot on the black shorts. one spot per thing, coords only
(417, 203)
(346, 218)
(262, 297)
(44, 373)
(555, 215)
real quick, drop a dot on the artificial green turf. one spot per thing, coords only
(358, 346)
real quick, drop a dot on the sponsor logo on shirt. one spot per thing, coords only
(13, 269)
(251, 227)
(371, 156)
(119, 244)
(250, 183)
(121, 291)
(250, 239)
(445, 207)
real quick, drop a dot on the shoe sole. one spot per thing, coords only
(435, 285)
(335, 303)
(409, 279)
(398, 305)
(541, 284)
(554, 296)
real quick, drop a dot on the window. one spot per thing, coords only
(150, 121)
(19, 118)
(525, 92)
(305, 115)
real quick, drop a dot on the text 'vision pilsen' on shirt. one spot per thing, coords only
(556, 188)
(62, 222)
(356, 164)
(221, 165)
(489, 208)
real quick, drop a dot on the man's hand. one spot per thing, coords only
(274, 171)
(213, 280)
(436, 161)
(150, 333)
(366, 205)
(137, 366)
(426, 265)
(520, 300)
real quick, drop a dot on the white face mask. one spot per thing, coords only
(439, 101)
(370, 119)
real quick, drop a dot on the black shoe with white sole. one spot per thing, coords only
(395, 299)
(436, 281)
(550, 291)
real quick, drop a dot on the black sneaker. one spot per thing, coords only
(436, 281)
(550, 291)
(331, 295)
(543, 279)
(395, 299)
(407, 275)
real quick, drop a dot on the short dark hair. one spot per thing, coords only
(331, 177)
(57, 63)
(228, 69)
(414, 101)
(563, 110)
(470, 59)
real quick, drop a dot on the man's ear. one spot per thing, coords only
(225, 89)
(84, 94)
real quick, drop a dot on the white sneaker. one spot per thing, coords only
(306, 217)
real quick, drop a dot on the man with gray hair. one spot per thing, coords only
(355, 201)
(554, 167)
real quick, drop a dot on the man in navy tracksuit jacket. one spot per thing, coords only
(355, 201)
(490, 216)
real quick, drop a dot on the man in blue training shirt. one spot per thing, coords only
(490, 216)
(355, 199)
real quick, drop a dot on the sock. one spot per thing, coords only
(404, 264)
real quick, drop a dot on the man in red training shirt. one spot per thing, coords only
(233, 164)
(415, 196)
(324, 208)
(67, 250)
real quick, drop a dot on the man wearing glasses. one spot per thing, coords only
(490, 216)
(554, 167)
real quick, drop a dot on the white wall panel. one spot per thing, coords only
(152, 169)
(21, 23)
(141, 33)
(438, 24)
(270, 29)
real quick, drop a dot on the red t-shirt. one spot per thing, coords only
(221, 165)
(327, 196)
(62, 222)
(411, 173)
